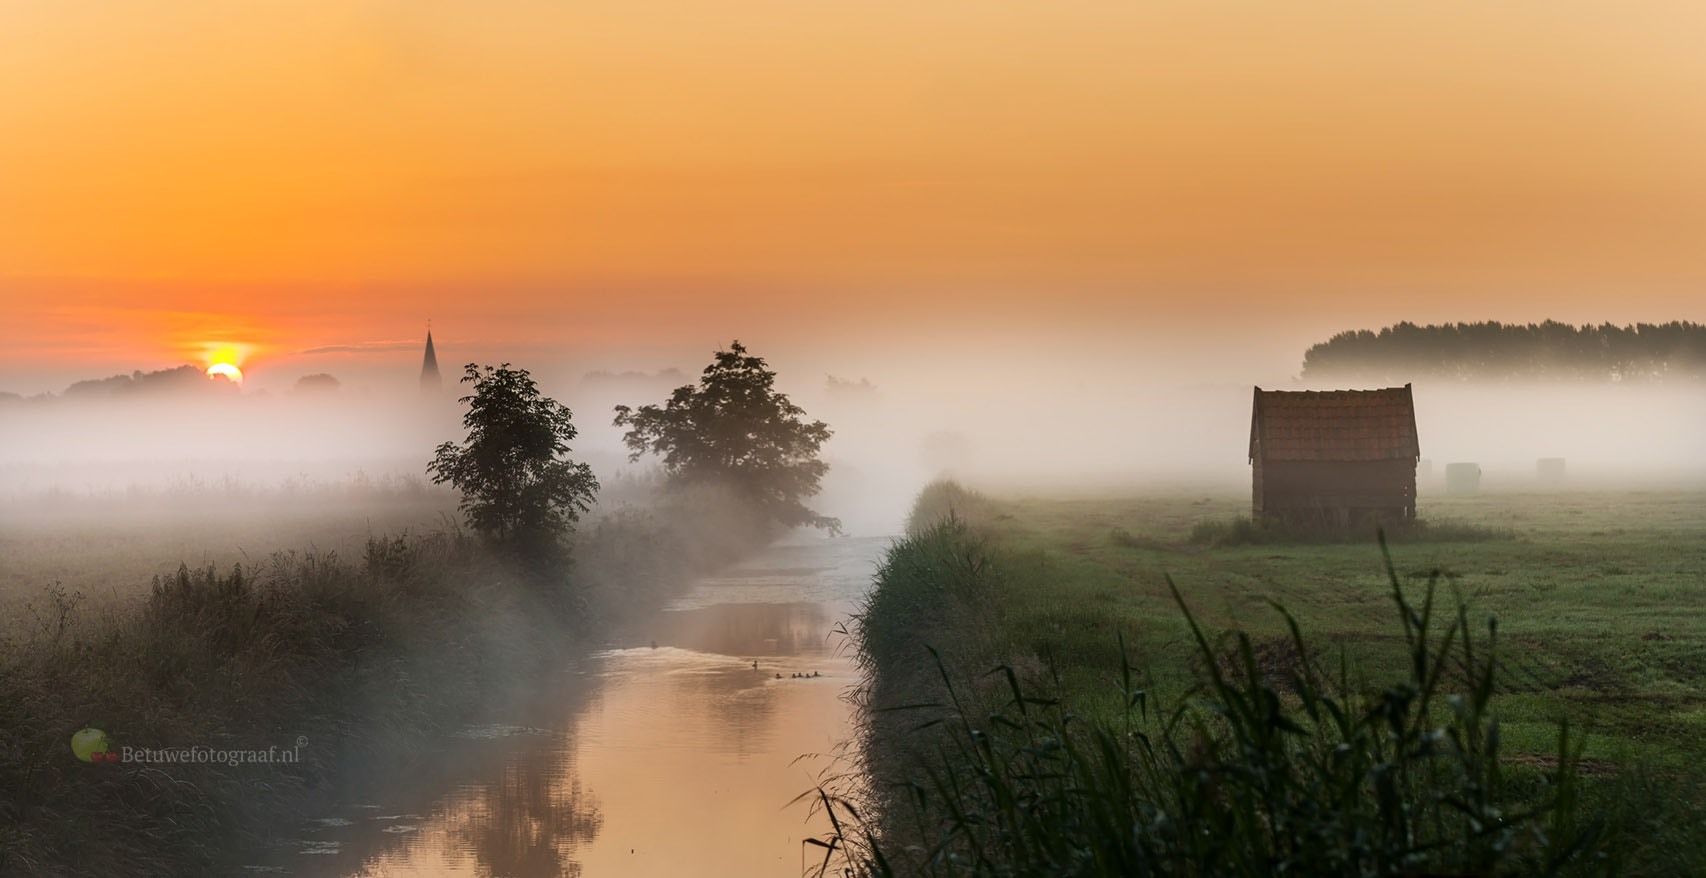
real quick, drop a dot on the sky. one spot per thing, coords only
(630, 183)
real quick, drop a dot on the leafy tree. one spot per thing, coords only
(320, 382)
(517, 486)
(736, 429)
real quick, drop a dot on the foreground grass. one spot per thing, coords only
(358, 658)
(1597, 597)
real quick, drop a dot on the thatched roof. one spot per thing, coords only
(1334, 425)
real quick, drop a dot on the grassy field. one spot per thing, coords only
(1600, 600)
(1151, 710)
(1512, 686)
(109, 547)
(113, 556)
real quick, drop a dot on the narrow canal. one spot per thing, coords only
(676, 750)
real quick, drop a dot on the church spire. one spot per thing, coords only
(430, 381)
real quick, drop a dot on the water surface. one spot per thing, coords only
(666, 753)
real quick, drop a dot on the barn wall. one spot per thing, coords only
(1256, 488)
(1383, 487)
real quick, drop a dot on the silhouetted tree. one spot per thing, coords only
(518, 487)
(735, 429)
(184, 379)
(319, 382)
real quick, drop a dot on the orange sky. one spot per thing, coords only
(628, 175)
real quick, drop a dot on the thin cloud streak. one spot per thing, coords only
(368, 347)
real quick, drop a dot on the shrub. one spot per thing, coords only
(1240, 531)
(936, 574)
(944, 499)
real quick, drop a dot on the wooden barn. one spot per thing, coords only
(1336, 457)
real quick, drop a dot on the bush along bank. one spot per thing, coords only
(1265, 767)
(313, 662)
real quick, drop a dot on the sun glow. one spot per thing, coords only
(222, 359)
(226, 370)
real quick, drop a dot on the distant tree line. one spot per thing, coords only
(179, 381)
(183, 379)
(1492, 351)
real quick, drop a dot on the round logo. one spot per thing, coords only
(87, 743)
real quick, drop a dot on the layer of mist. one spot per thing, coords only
(1154, 426)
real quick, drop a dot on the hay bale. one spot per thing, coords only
(1462, 478)
(1549, 470)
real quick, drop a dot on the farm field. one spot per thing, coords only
(110, 551)
(1599, 597)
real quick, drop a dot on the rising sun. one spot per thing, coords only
(226, 370)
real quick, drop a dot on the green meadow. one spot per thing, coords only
(1514, 685)
(1600, 599)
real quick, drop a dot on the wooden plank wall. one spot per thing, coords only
(1386, 487)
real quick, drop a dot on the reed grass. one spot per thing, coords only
(1260, 769)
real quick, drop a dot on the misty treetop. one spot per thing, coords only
(185, 379)
(1549, 351)
(518, 487)
(736, 430)
(319, 382)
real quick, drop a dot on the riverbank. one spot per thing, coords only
(244, 693)
(1595, 595)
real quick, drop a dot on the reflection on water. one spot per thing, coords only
(526, 821)
(530, 821)
(667, 760)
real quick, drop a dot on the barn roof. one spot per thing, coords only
(1334, 425)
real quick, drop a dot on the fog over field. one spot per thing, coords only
(1168, 420)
